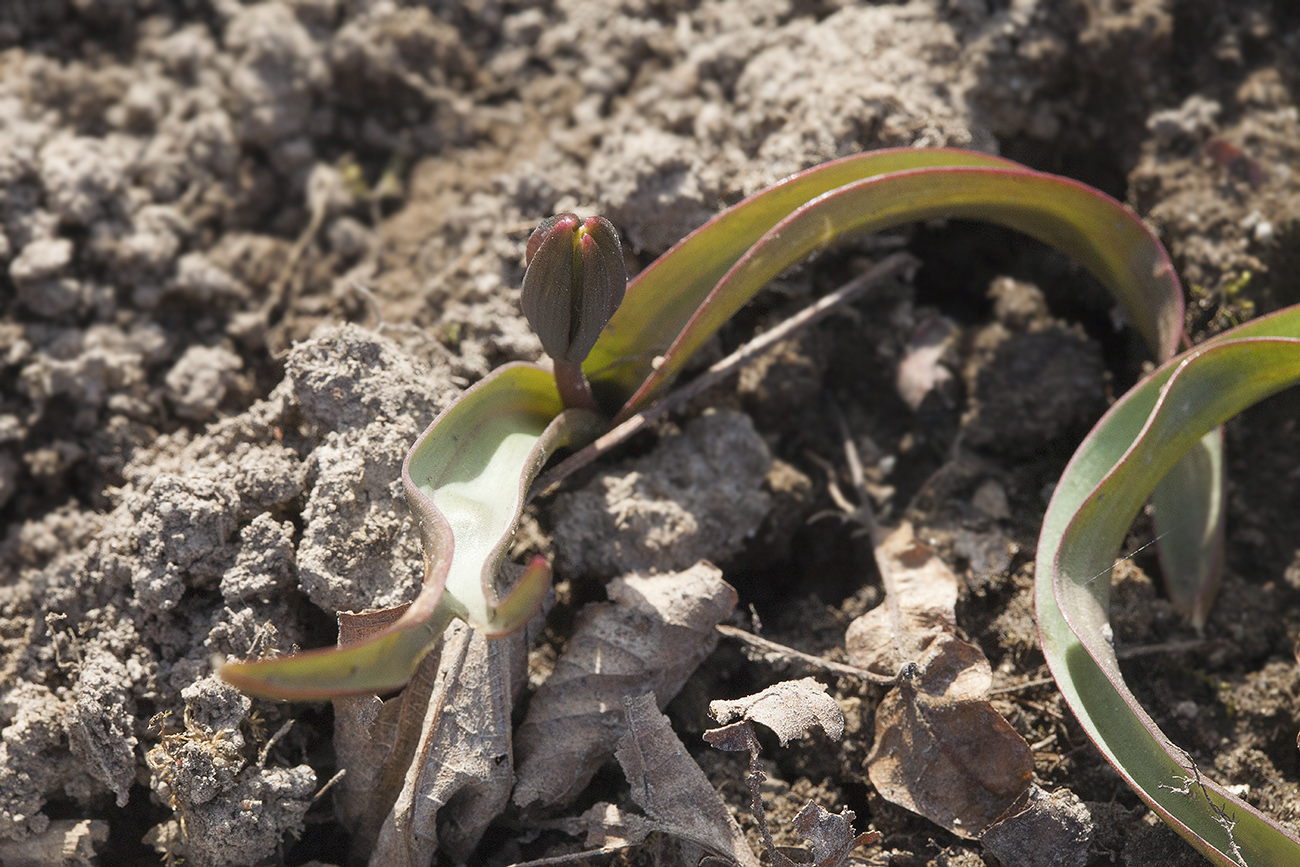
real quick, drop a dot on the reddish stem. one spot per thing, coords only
(575, 391)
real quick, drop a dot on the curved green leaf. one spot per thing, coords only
(465, 480)
(1086, 224)
(1133, 446)
(663, 298)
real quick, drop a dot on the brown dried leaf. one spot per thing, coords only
(445, 736)
(922, 370)
(735, 738)
(367, 728)
(941, 749)
(830, 835)
(920, 605)
(790, 708)
(670, 786)
(650, 638)
(459, 779)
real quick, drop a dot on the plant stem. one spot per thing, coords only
(575, 391)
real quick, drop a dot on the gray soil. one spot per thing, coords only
(249, 250)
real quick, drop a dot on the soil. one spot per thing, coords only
(251, 249)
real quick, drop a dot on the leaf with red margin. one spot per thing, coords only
(465, 481)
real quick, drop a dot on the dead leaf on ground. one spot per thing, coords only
(830, 835)
(608, 828)
(920, 605)
(790, 708)
(668, 784)
(650, 637)
(941, 750)
(366, 727)
(430, 768)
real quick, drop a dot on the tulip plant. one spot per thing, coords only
(614, 353)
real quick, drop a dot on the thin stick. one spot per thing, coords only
(763, 644)
(888, 267)
(271, 742)
(1018, 687)
(342, 772)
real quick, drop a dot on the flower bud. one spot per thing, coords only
(574, 283)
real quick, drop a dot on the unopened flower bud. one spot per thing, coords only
(574, 283)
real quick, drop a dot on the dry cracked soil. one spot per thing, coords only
(248, 250)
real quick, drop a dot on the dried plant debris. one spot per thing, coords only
(430, 767)
(672, 789)
(607, 828)
(920, 605)
(231, 808)
(370, 733)
(649, 638)
(924, 368)
(830, 835)
(791, 709)
(941, 750)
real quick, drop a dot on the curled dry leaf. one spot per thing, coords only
(672, 790)
(920, 605)
(941, 750)
(608, 828)
(790, 708)
(830, 835)
(366, 727)
(649, 638)
(430, 768)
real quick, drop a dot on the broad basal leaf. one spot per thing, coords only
(465, 481)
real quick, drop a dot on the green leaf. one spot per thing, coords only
(380, 664)
(1091, 227)
(465, 480)
(663, 298)
(1133, 446)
